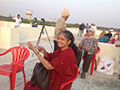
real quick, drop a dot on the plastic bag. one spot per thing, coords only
(106, 66)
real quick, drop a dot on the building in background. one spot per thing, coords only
(29, 14)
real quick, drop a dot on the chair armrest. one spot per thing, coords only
(4, 52)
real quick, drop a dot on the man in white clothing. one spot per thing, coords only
(94, 27)
(17, 20)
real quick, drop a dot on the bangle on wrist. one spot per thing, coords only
(37, 53)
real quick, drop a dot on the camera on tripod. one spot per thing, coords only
(43, 19)
(42, 32)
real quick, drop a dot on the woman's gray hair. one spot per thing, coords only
(68, 35)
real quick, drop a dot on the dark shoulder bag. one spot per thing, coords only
(40, 76)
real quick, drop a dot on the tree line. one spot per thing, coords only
(49, 23)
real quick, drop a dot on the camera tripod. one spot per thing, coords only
(42, 32)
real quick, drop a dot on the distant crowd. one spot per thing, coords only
(109, 37)
(104, 37)
(82, 27)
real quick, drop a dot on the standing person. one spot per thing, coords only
(60, 25)
(34, 24)
(94, 27)
(60, 63)
(87, 27)
(89, 45)
(91, 25)
(81, 29)
(111, 29)
(17, 20)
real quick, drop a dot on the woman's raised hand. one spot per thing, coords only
(41, 49)
(30, 46)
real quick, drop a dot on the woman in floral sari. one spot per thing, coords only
(102, 34)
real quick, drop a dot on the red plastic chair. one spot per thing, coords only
(85, 35)
(92, 62)
(68, 82)
(19, 55)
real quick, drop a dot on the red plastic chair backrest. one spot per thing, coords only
(98, 50)
(19, 53)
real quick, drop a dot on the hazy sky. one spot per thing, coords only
(101, 12)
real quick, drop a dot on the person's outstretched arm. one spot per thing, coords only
(10, 16)
(46, 64)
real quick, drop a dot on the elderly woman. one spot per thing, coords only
(106, 37)
(102, 34)
(88, 47)
(60, 63)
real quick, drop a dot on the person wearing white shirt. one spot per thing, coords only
(94, 27)
(17, 20)
(111, 29)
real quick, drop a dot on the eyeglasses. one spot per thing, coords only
(90, 31)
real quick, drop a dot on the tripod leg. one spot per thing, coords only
(38, 41)
(48, 39)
